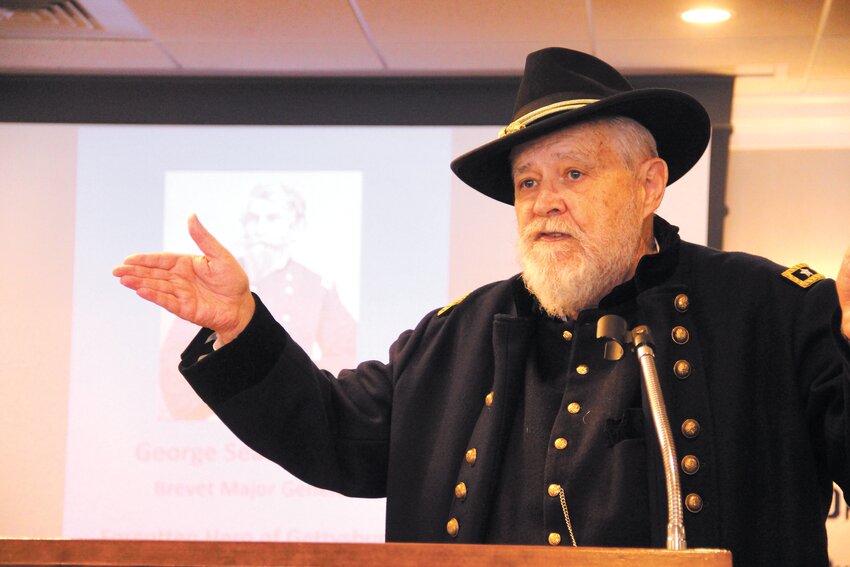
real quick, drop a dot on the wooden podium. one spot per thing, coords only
(190, 553)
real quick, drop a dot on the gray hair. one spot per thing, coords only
(631, 140)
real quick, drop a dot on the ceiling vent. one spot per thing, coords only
(68, 19)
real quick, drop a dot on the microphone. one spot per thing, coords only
(615, 331)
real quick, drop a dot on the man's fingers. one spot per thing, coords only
(208, 244)
(131, 281)
(163, 261)
(136, 282)
(142, 271)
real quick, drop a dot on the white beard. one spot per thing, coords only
(568, 277)
(262, 259)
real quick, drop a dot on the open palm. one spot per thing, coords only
(210, 290)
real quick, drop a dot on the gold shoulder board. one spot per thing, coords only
(448, 307)
(802, 275)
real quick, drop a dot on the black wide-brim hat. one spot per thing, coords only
(561, 87)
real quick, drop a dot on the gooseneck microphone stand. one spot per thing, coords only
(614, 330)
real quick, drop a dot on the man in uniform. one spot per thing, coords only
(497, 419)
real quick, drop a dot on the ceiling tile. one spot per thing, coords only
(441, 21)
(248, 20)
(67, 56)
(279, 57)
(839, 18)
(832, 60)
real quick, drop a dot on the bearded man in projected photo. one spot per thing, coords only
(498, 419)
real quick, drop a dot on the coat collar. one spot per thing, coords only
(653, 269)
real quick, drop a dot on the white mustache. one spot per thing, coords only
(549, 226)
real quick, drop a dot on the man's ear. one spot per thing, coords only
(654, 179)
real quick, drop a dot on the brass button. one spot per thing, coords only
(452, 527)
(680, 335)
(554, 538)
(460, 491)
(582, 369)
(681, 303)
(568, 336)
(690, 464)
(471, 456)
(554, 490)
(574, 407)
(693, 502)
(682, 369)
(560, 443)
(690, 428)
(488, 399)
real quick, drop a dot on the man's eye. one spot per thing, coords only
(526, 184)
(574, 174)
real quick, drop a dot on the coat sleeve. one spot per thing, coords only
(823, 356)
(330, 432)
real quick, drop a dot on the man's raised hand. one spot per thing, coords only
(210, 290)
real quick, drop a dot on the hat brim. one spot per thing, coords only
(678, 122)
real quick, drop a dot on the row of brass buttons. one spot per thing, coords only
(471, 456)
(690, 427)
(554, 490)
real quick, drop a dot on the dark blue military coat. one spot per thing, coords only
(753, 367)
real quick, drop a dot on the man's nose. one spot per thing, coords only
(550, 201)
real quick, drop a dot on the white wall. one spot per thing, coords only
(788, 188)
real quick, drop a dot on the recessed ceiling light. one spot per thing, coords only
(706, 15)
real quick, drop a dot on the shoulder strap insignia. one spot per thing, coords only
(802, 275)
(448, 307)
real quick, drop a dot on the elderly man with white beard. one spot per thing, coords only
(565, 184)
(498, 419)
